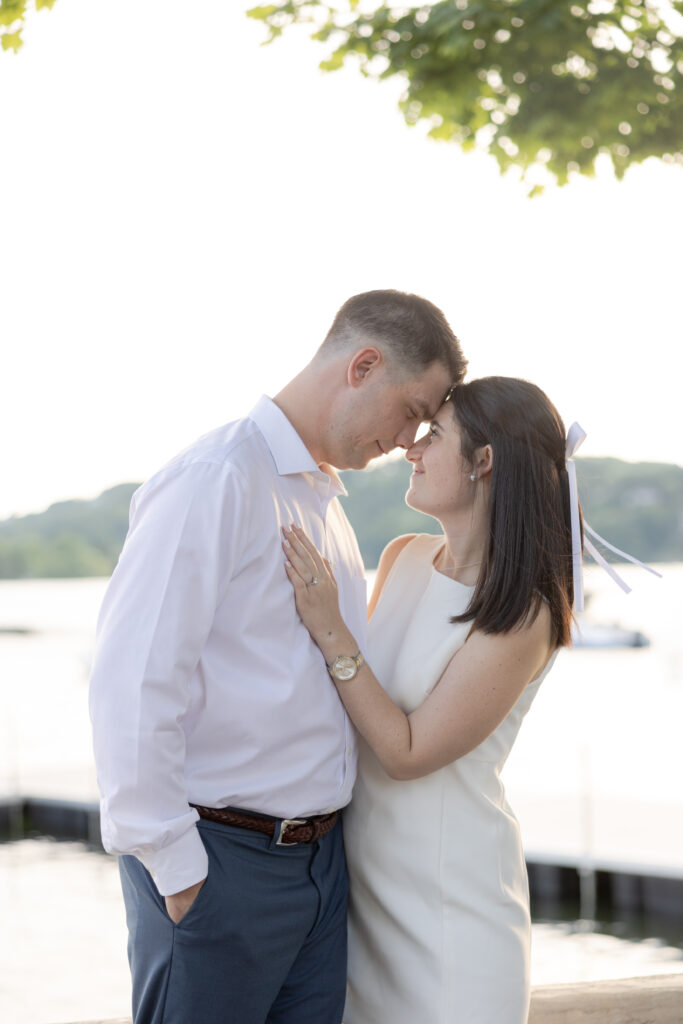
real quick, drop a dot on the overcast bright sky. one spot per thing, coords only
(183, 211)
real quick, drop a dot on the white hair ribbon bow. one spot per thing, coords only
(575, 438)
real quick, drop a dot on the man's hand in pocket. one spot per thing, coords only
(179, 903)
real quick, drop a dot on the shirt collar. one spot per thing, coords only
(289, 452)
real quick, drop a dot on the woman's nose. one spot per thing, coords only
(415, 451)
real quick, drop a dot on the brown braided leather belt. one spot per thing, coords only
(292, 830)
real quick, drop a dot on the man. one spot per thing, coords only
(222, 749)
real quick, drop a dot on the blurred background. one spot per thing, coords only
(183, 211)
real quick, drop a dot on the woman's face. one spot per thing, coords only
(440, 483)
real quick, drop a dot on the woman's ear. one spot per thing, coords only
(363, 364)
(483, 461)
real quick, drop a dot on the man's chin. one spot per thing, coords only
(351, 462)
(358, 459)
(363, 459)
(372, 457)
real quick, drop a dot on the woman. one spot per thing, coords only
(464, 627)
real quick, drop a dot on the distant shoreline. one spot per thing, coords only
(635, 505)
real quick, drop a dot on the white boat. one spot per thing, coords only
(593, 634)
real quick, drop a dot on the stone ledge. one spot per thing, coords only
(653, 1000)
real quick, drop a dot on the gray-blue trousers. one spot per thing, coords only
(263, 943)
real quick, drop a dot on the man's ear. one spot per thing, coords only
(363, 364)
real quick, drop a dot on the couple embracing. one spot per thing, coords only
(245, 710)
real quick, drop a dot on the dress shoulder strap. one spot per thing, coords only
(406, 581)
(415, 560)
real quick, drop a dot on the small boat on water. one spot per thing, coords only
(593, 634)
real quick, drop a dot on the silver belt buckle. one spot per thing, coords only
(284, 824)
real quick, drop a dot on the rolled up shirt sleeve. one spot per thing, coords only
(176, 564)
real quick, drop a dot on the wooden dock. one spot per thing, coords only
(621, 888)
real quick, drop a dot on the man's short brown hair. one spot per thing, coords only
(414, 330)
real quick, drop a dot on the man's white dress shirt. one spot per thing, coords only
(206, 686)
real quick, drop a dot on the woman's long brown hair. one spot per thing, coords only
(529, 553)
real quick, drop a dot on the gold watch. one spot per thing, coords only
(345, 666)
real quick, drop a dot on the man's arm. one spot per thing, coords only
(155, 619)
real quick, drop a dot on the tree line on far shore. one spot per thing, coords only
(637, 506)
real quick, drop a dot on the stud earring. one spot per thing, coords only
(473, 476)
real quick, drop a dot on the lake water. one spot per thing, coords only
(595, 776)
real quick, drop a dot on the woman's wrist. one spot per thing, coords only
(336, 641)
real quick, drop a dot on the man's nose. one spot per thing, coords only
(406, 438)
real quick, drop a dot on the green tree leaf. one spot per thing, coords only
(11, 41)
(11, 11)
(13, 18)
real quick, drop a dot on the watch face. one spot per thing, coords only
(344, 667)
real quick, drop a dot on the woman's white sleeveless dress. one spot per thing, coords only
(439, 912)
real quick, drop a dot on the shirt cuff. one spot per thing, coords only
(179, 865)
